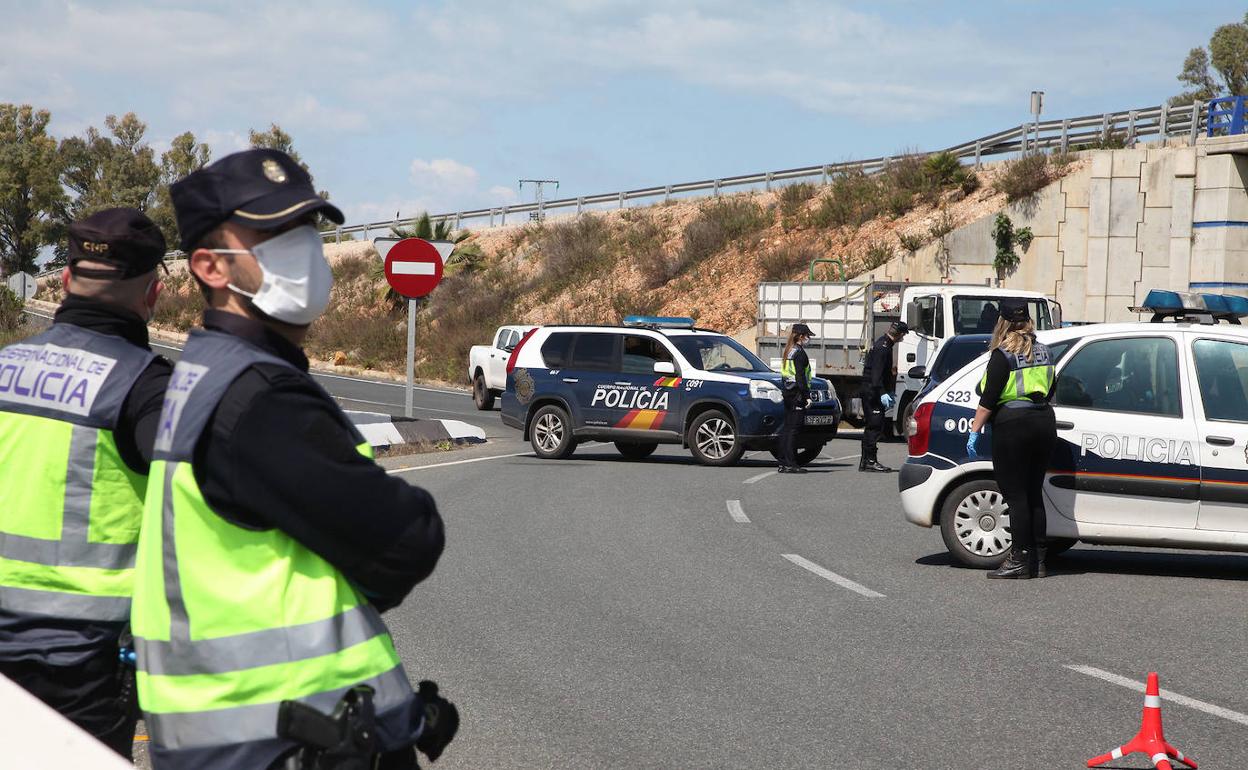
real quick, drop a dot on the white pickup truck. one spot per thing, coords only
(487, 365)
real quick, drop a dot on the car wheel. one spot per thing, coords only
(713, 439)
(551, 434)
(805, 456)
(633, 451)
(975, 524)
(482, 396)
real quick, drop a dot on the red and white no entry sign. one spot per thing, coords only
(413, 267)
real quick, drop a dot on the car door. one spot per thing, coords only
(506, 340)
(590, 376)
(1220, 367)
(1127, 450)
(649, 401)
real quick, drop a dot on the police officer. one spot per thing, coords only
(272, 542)
(1016, 388)
(79, 406)
(877, 396)
(796, 374)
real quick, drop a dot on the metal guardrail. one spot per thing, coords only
(1062, 134)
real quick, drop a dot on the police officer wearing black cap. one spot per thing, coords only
(1016, 388)
(275, 541)
(796, 373)
(79, 407)
(877, 395)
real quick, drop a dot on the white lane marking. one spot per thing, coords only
(400, 267)
(759, 477)
(399, 406)
(737, 514)
(458, 462)
(828, 574)
(846, 457)
(1173, 697)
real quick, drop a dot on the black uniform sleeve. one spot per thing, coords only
(800, 362)
(284, 459)
(880, 367)
(998, 373)
(140, 415)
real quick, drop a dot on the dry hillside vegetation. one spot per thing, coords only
(694, 257)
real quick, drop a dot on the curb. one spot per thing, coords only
(387, 430)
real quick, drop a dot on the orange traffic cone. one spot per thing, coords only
(1149, 740)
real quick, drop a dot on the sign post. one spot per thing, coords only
(413, 269)
(23, 285)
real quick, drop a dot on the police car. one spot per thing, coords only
(1152, 425)
(654, 381)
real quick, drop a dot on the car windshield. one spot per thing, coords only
(977, 315)
(957, 353)
(717, 353)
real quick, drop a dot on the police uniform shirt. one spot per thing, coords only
(877, 371)
(65, 642)
(277, 454)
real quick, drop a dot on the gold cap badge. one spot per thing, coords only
(273, 171)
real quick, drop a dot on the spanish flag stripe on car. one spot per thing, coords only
(667, 382)
(642, 419)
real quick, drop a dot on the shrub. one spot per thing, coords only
(569, 250)
(50, 290)
(464, 311)
(911, 242)
(942, 226)
(793, 197)
(908, 174)
(718, 223)
(349, 268)
(781, 262)
(372, 340)
(11, 315)
(626, 302)
(1005, 238)
(852, 199)
(970, 182)
(181, 304)
(1023, 177)
(876, 254)
(942, 169)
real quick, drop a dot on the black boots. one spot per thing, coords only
(1020, 565)
(873, 466)
(790, 469)
(1039, 568)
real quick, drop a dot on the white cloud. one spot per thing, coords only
(443, 177)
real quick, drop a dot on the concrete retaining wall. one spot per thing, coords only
(1150, 217)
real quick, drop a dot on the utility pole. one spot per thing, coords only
(540, 214)
(1037, 106)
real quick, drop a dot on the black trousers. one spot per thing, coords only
(1022, 445)
(788, 433)
(97, 695)
(873, 409)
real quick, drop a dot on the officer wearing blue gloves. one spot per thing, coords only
(877, 396)
(1016, 388)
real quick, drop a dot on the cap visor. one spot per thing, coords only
(273, 211)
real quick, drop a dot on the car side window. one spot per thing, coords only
(642, 353)
(556, 348)
(596, 352)
(1222, 373)
(1139, 375)
(501, 339)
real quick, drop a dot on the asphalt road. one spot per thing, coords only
(595, 612)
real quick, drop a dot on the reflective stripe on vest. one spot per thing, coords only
(1028, 380)
(228, 621)
(70, 508)
(788, 370)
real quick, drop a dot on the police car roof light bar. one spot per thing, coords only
(1189, 306)
(659, 322)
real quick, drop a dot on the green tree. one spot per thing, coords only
(30, 190)
(183, 156)
(1226, 57)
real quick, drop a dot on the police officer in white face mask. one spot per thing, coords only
(271, 539)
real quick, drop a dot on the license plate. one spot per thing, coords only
(819, 419)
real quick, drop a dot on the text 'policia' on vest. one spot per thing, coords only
(1029, 380)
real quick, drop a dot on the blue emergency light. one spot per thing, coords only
(1183, 305)
(659, 321)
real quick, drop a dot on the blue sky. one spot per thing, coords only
(404, 106)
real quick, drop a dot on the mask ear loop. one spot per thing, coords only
(249, 295)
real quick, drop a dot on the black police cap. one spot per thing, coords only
(898, 328)
(260, 189)
(802, 329)
(124, 239)
(1014, 310)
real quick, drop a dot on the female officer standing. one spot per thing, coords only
(796, 373)
(1016, 390)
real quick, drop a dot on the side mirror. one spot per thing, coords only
(507, 348)
(912, 315)
(917, 372)
(664, 367)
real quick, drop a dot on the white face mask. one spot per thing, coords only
(297, 279)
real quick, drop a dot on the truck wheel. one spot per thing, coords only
(482, 396)
(713, 439)
(551, 434)
(975, 524)
(633, 451)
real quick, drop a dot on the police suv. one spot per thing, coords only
(654, 381)
(1152, 425)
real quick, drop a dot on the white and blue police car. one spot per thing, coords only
(1152, 425)
(651, 381)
